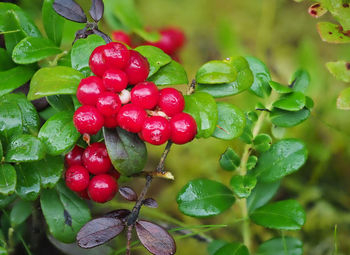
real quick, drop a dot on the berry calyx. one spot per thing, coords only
(108, 104)
(156, 130)
(102, 188)
(125, 96)
(171, 101)
(121, 36)
(183, 128)
(89, 90)
(96, 61)
(116, 55)
(96, 159)
(137, 68)
(88, 120)
(115, 80)
(77, 178)
(74, 157)
(145, 94)
(131, 117)
(111, 121)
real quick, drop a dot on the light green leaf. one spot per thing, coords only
(282, 89)
(10, 80)
(340, 70)
(10, 121)
(170, 74)
(242, 185)
(262, 77)
(281, 245)
(330, 33)
(20, 212)
(53, 23)
(291, 102)
(300, 81)
(8, 179)
(214, 72)
(262, 142)
(6, 62)
(343, 100)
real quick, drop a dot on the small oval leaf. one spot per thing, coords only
(20, 212)
(69, 9)
(343, 100)
(150, 202)
(28, 182)
(281, 245)
(282, 118)
(332, 33)
(233, 249)
(262, 77)
(242, 185)
(229, 160)
(10, 80)
(8, 179)
(170, 74)
(215, 71)
(128, 193)
(96, 10)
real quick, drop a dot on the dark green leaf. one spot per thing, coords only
(10, 80)
(247, 135)
(284, 118)
(291, 102)
(5, 60)
(204, 198)
(61, 102)
(251, 163)
(215, 245)
(6, 200)
(10, 121)
(12, 24)
(262, 77)
(300, 80)
(8, 179)
(28, 182)
(343, 100)
(242, 185)
(331, 33)
(231, 121)
(285, 215)
(54, 81)
(233, 249)
(1, 150)
(53, 23)
(261, 194)
(47, 113)
(20, 212)
(309, 103)
(262, 142)
(282, 89)
(127, 151)
(229, 160)
(215, 71)
(281, 245)
(170, 74)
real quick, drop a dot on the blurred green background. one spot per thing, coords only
(284, 36)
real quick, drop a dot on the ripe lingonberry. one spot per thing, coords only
(111, 121)
(108, 104)
(137, 68)
(102, 188)
(115, 80)
(145, 94)
(125, 96)
(156, 130)
(121, 36)
(183, 128)
(116, 55)
(74, 156)
(131, 118)
(88, 120)
(171, 101)
(77, 178)
(96, 159)
(171, 39)
(89, 90)
(96, 61)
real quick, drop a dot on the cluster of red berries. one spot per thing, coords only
(90, 173)
(156, 115)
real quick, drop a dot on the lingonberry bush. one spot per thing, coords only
(100, 101)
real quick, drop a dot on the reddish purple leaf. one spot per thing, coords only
(150, 202)
(317, 10)
(69, 9)
(96, 10)
(128, 193)
(99, 231)
(155, 238)
(119, 214)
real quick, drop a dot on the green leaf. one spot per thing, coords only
(59, 134)
(170, 74)
(155, 56)
(215, 71)
(54, 81)
(61, 102)
(229, 160)
(340, 70)
(3, 251)
(291, 102)
(33, 49)
(53, 23)
(251, 163)
(261, 194)
(10, 80)
(331, 33)
(8, 179)
(126, 150)
(340, 12)
(204, 198)
(233, 249)
(262, 77)
(231, 122)
(281, 245)
(5, 60)
(285, 215)
(64, 212)
(282, 89)
(1, 150)
(10, 121)
(6, 200)
(283, 158)
(12, 24)
(20, 212)
(343, 100)
(243, 185)
(202, 107)
(82, 50)
(28, 182)
(300, 81)
(284, 118)
(247, 135)
(215, 245)
(262, 142)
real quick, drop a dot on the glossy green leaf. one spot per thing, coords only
(215, 245)
(53, 23)
(202, 107)
(33, 49)
(61, 102)
(291, 102)
(10, 121)
(20, 212)
(233, 249)
(251, 163)
(170, 74)
(262, 194)
(59, 134)
(82, 50)
(231, 122)
(215, 71)
(6, 62)
(282, 89)
(284, 118)
(281, 245)
(1, 150)
(28, 182)
(340, 70)
(25, 148)
(262, 142)
(12, 24)
(343, 100)
(155, 56)
(300, 81)
(47, 113)
(229, 160)
(204, 198)
(285, 215)
(262, 77)
(331, 33)
(127, 151)
(283, 158)
(8, 179)
(247, 135)
(54, 81)
(243, 185)
(10, 80)
(6, 200)
(64, 212)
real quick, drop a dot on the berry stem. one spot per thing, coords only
(160, 167)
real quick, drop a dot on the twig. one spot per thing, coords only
(128, 237)
(160, 167)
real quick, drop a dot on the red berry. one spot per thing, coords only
(121, 36)
(84, 194)
(131, 118)
(96, 61)
(116, 55)
(183, 128)
(74, 156)
(114, 173)
(156, 130)
(111, 121)
(102, 188)
(145, 94)
(89, 90)
(88, 120)
(96, 159)
(108, 104)
(115, 80)
(170, 41)
(137, 68)
(77, 178)
(171, 101)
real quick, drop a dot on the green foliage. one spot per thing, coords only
(233, 249)
(294, 101)
(243, 185)
(280, 245)
(20, 212)
(170, 74)
(8, 179)
(343, 101)
(284, 118)
(340, 70)
(28, 182)
(262, 77)
(53, 23)
(214, 72)
(229, 160)
(261, 194)
(262, 142)
(10, 80)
